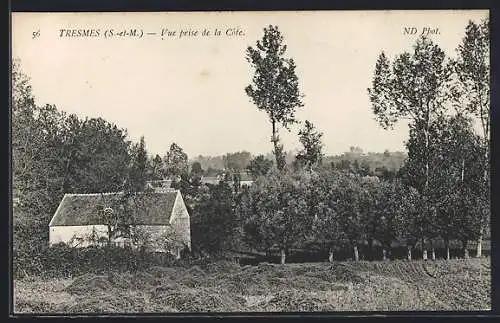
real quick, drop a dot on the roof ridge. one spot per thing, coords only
(165, 190)
(92, 194)
(158, 190)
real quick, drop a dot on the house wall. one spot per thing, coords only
(154, 233)
(65, 234)
(181, 222)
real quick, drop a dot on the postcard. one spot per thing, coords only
(242, 162)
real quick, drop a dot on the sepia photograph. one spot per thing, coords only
(250, 162)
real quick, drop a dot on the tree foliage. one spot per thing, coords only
(277, 211)
(275, 86)
(54, 153)
(471, 93)
(137, 173)
(326, 203)
(458, 179)
(156, 168)
(214, 223)
(196, 169)
(176, 161)
(259, 166)
(414, 88)
(237, 161)
(311, 155)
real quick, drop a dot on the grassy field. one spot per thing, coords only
(226, 287)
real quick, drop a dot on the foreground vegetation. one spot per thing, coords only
(226, 287)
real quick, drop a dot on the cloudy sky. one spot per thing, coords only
(190, 90)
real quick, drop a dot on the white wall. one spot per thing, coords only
(249, 183)
(64, 234)
(181, 221)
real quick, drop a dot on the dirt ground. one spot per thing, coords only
(453, 285)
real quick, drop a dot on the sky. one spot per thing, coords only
(190, 89)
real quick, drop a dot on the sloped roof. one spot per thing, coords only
(154, 208)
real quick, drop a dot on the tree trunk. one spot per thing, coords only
(275, 142)
(479, 250)
(109, 235)
(277, 151)
(283, 256)
(356, 253)
(370, 249)
(447, 248)
(409, 253)
(464, 242)
(424, 250)
(330, 255)
(426, 185)
(426, 133)
(465, 249)
(463, 171)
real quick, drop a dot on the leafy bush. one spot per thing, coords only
(63, 260)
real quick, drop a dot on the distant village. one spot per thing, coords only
(243, 178)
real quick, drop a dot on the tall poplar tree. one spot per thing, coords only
(275, 86)
(471, 93)
(413, 87)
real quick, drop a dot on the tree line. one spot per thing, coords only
(440, 192)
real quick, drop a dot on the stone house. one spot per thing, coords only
(160, 217)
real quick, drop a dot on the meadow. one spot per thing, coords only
(455, 285)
